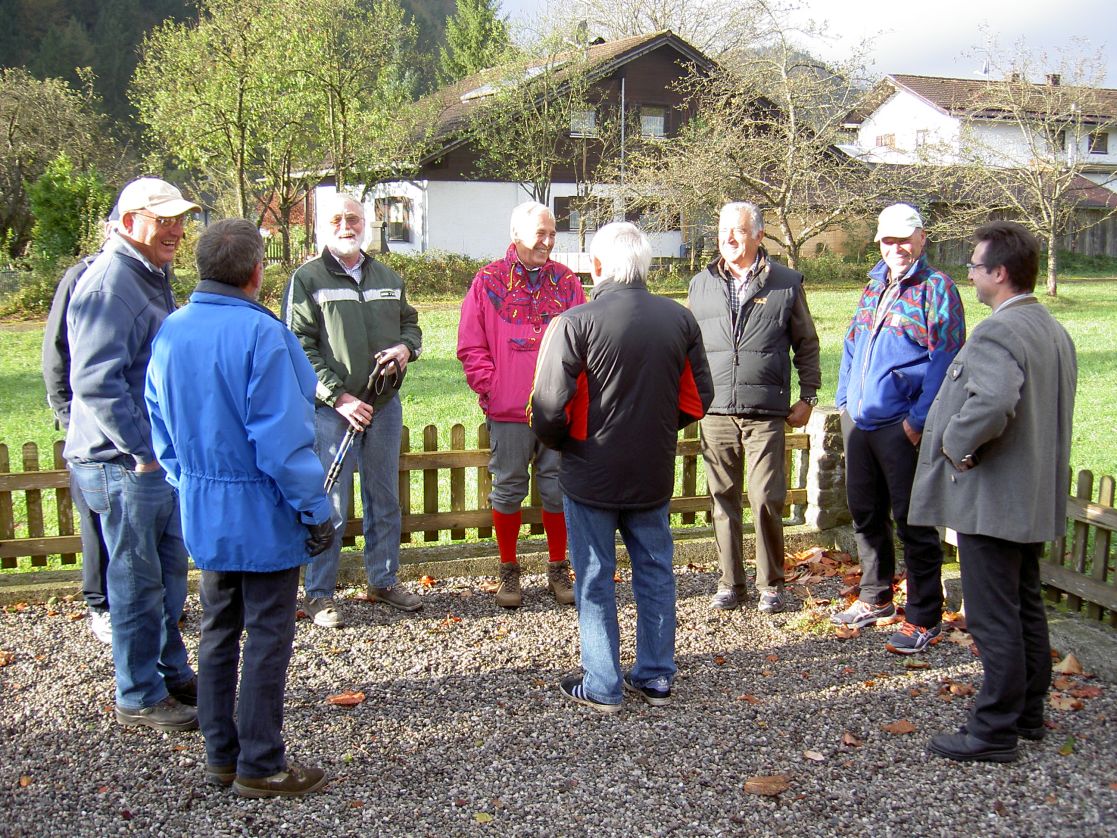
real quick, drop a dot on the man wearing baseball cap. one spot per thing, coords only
(908, 327)
(112, 319)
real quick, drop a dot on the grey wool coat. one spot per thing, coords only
(1007, 400)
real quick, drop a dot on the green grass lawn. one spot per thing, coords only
(436, 393)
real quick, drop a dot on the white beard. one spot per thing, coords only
(344, 247)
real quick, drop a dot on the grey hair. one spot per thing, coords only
(624, 252)
(228, 251)
(339, 200)
(756, 217)
(522, 216)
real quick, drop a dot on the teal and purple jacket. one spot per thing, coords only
(892, 365)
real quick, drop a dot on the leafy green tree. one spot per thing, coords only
(476, 39)
(68, 207)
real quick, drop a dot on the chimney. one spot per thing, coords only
(1053, 79)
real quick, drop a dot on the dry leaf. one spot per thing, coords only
(915, 692)
(814, 756)
(1113, 786)
(102, 789)
(770, 785)
(962, 689)
(851, 740)
(427, 582)
(1086, 692)
(1069, 666)
(751, 699)
(490, 586)
(1062, 701)
(772, 658)
(482, 817)
(356, 804)
(52, 613)
(301, 615)
(958, 637)
(348, 698)
(74, 616)
(6, 657)
(899, 727)
(916, 663)
(24, 781)
(1067, 747)
(846, 633)
(847, 670)
(1063, 683)
(719, 660)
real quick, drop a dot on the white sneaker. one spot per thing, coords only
(100, 623)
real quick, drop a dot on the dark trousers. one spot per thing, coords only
(727, 443)
(94, 553)
(880, 468)
(247, 733)
(1005, 615)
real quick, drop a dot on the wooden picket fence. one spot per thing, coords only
(434, 494)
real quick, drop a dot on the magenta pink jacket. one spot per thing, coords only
(503, 320)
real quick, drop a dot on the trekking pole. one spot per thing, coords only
(377, 383)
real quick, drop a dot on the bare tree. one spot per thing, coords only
(1025, 150)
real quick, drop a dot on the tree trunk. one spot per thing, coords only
(1052, 264)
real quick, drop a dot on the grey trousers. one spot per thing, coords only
(514, 448)
(728, 442)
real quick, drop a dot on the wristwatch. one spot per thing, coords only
(811, 400)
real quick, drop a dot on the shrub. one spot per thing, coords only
(69, 208)
(34, 291)
(435, 274)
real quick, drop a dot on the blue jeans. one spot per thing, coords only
(375, 456)
(146, 578)
(593, 554)
(94, 554)
(247, 733)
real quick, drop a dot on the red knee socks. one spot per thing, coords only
(554, 525)
(507, 526)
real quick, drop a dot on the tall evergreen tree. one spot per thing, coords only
(476, 39)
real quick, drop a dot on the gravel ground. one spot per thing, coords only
(463, 732)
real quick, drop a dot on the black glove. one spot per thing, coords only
(321, 537)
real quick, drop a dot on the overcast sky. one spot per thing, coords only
(942, 37)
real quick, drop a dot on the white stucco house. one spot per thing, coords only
(450, 206)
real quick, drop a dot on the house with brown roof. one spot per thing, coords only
(452, 205)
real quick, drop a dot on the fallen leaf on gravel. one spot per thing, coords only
(75, 616)
(1062, 701)
(770, 785)
(1063, 683)
(751, 699)
(102, 789)
(617, 578)
(1113, 786)
(766, 673)
(52, 613)
(356, 804)
(1086, 692)
(19, 607)
(962, 689)
(916, 663)
(427, 582)
(915, 692)
(348, 698)
(814, 756)
(24, 781)
(958, 637)
(719, 660)
(891, 621)
(301, 615)
(899, 727)
(489, 586)
(851, 740)
(956, 619)
(846, 633)
(1067, 748)
(1051, 800)
(772, 658)
(6, 657)
(482, 817)
(847, 670)
(1000, 808)
(1069, 666)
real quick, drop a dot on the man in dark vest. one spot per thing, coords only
(754, 317)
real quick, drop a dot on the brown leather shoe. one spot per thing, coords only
(294, 781)
(558, 582)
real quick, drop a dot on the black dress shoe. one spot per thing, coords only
(186, 692)
(1032, 734)
(963, 747)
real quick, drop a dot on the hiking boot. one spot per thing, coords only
(912, 638)
(508, 595)
(166, 715)
(221, 775)
(656, 692)
(571, 687)
(558, 582)
(771, 602)
(861, 614)
(186, 692)
(293, 781)
(725, 600)
(321, 609)
(100, 623)
(396, 597)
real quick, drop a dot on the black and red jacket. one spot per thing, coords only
(616, 380)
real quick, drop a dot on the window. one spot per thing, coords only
(653, 121)
(922, 137)
(1099, 142)
(571, 210)
(583, 123)
(395, 211)
(886, 140)
(1062, 141)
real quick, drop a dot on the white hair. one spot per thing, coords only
(739, 208)
(338, 201)
(624, 252)
(523, 216)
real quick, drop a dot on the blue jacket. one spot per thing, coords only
(231, 398)
(892, 366)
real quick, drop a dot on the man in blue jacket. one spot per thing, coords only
(113, 316)
(231, 398)
(907, 329)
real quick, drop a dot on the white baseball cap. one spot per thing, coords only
(898, 222)
(149, 193)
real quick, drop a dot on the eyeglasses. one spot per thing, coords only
(163, 222)
(971, 265)
(350, 218)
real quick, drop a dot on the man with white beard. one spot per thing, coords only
(351, 316)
